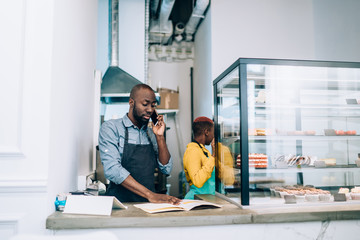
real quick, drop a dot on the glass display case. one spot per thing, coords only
(287, 131)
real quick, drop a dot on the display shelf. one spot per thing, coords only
(308, 106)
(303, 80)
(232, 139)
(304, 137)
(342, 168)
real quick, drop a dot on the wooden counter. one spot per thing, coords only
(228, 214)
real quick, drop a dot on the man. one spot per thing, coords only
(199, 163)
(130, 151)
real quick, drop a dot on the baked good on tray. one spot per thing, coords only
(355, 193)
(258, 160)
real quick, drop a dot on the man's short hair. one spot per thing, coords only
(138, 87)
(200, 124)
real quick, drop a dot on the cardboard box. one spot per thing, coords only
(169, 99)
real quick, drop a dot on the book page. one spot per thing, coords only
(185, 205)
(188, 204)
(158, 207)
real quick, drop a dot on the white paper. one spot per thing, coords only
(93, 205)
(185, 205)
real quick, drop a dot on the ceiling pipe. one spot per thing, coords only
(114, 36)
(197, 14)
(161, 29)
(146, 55)
(154, 6)
(165, 10)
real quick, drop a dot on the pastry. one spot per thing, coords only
(355, 193)
(343, 190)
(260, 131)
(310, 132)
(350, 132)
(355, 190)
(339, 132)
(258, 160)
(329, 161)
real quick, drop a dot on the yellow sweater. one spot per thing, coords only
(197, 166)
(224, 165)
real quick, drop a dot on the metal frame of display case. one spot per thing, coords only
(241, 64)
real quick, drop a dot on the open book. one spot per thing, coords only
(185, 205)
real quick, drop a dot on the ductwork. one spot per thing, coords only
(116, 83)
(198, 13)
(161, 29)
(154, 6)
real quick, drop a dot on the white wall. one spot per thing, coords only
(47, 61)
(337, 30)
(298, 29)
(203, 90)
(72, 92)
(175, 76)
(260, 29)
(25, 60)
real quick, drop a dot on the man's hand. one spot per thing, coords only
(159, 129)
(131, 184)
(163, 198)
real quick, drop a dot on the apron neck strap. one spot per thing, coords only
(205, 153)
(127, 134)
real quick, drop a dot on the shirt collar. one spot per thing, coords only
(128, 123)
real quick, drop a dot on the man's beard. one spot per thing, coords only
(138, 118)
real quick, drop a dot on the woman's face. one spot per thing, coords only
(209, 136)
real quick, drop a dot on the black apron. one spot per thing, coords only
(140, 161)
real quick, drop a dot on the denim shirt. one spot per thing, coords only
(111, 146)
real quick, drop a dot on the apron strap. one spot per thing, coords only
(205, 153)
(126, 134)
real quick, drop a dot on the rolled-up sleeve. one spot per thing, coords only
(166, 169)
(110, 154)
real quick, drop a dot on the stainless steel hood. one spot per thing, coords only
(116, 83)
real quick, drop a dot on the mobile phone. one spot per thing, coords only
(154, 116)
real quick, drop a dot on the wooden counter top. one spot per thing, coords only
(228, 214)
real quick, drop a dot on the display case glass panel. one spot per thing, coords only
(291, 127)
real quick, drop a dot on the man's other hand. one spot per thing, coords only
(163, 198)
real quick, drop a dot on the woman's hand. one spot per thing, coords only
(213, 147)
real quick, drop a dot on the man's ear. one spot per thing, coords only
(131, 102)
